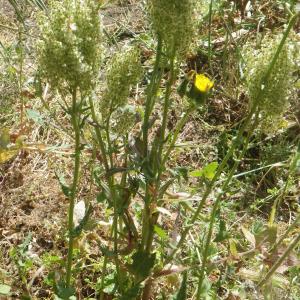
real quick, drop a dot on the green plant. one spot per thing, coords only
(69, 56)
(134, 168)
(23, 262)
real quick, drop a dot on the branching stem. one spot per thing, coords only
(75, 124)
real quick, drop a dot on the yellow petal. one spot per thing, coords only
(203, 83)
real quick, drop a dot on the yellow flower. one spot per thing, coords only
(203, 83)
(196, 87)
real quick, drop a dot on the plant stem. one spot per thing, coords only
(153, 86)
(75, 124)
(283, 237)
(110, 180)
(104, 271)
(99, 136)
(102, 278)
(113, 196)
(20, 75)
(279, 261)
(150, 101)
(170, 83)
(150, 220)
(110, 150)
(147, 220)
(217, 202)
(177, 130)
(209, 32)
(209, 188)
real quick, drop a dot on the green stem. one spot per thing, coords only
(209, 32)
(178, 128)
(113, 196)
(166, 107)
(148, 219)
(279, 261)
(99, 136)
(115, 229)
(109, 179)
(75, 124)
(217, 203)
(104, 271)
(110, 152)
(153, 86)
(283, 237)
(21, 60)
(150, 101)
(103, 278)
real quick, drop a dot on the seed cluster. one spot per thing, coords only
(124, 71)
(123, 119)
(173, 21)
(70, 49)
(271, 94)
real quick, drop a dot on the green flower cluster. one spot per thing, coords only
(124, 71)
(173, 21)
(70, 49)
(123, 119)
(272, 94)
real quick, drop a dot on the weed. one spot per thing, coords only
(125, 115)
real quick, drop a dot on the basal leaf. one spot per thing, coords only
(63, 292)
